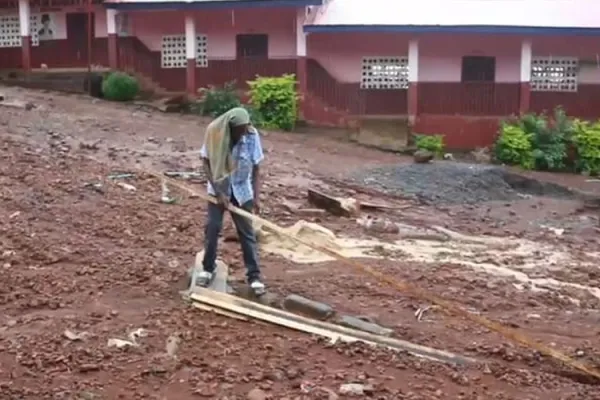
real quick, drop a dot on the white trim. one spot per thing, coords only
(300, 35)
(24, 17)
(111, 21)
(190, 38)
(413, 61)
(526, 60)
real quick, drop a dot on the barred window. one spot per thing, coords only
(384, 73)
(554, 74)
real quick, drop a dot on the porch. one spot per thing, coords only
(460, 85)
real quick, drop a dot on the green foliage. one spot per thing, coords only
(432, 143)
(119, 86)
(276, 100)
(586, 138)
(215, 101)
(513, 147)
(549, 140)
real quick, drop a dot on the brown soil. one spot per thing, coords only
(105, 261)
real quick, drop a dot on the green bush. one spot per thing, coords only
(513, 146)
(215, 101)
(432, 143)
(549, 139)
(586, 138)
(119, 86)
(276, 100)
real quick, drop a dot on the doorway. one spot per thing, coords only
(77, 36)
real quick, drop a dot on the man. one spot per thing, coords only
(232, 153)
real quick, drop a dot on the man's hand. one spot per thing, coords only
(256, 206)
(223, 200)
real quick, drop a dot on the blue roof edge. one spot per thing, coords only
(491, 29)
(210, 5)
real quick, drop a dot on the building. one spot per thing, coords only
(453, 67)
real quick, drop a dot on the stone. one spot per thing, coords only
(423, 156)
(362, 325)
(219, 283)
(257, 394)
(355, 389)
(308, 307)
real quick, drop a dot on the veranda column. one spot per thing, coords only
(413, 79)
(111, 28)
(301, 74)
(525, 97)
(24, 24)
(190, 54)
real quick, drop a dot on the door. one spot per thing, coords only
(252, 46)
(77, 36)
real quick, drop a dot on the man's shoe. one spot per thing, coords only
(258, 287)
(204, 279)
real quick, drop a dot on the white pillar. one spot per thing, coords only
(190, 37)
(526, 60)
(111, 21)
(413, 61)
(300, 35)
(24, 17)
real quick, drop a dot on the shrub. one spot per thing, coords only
(432, 143)
(513, 146)
(215, 101)
(119, 86)
(276, 100)
(548, 139)
(586, 138)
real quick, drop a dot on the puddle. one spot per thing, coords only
(506, 257)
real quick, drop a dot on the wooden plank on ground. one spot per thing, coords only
(331, 331)
(329, 203)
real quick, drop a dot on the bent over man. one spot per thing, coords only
(232, 153)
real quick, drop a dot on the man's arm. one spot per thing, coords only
(257, 157)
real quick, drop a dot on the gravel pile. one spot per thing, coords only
(442, 183)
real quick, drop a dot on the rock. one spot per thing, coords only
(355, 389)
(423, 156)
(360, 324)
(314, 309)
(257, 394)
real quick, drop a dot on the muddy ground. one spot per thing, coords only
(85, 260)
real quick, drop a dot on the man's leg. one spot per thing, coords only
(211, 241)
(245, 232)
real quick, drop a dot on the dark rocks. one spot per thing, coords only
(423, 156)
(308, 307)
(360, 324)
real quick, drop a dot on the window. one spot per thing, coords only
(173, 55)
(478, 69)
(552, 74)
(384, 73)
(252, 46)
(10, 31)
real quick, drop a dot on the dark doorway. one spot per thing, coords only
(77, 35)
(478, 69)
(252, 46)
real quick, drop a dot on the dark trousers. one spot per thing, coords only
(245, 233)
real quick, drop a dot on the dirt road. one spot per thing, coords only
(86, 259)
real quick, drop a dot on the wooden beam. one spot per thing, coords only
(333, 332)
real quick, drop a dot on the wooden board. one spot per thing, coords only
(328, 203)
(331, 331)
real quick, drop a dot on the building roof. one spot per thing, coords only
(484, 16)
(205, 4)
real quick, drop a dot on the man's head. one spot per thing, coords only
(239, 123)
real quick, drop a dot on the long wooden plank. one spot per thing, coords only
(320, 328)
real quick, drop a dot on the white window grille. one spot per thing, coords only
(173, 53)
(384, 73)
(201, 51)
(10, 30)
(554, 74)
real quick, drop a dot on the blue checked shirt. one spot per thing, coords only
(246, 153)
